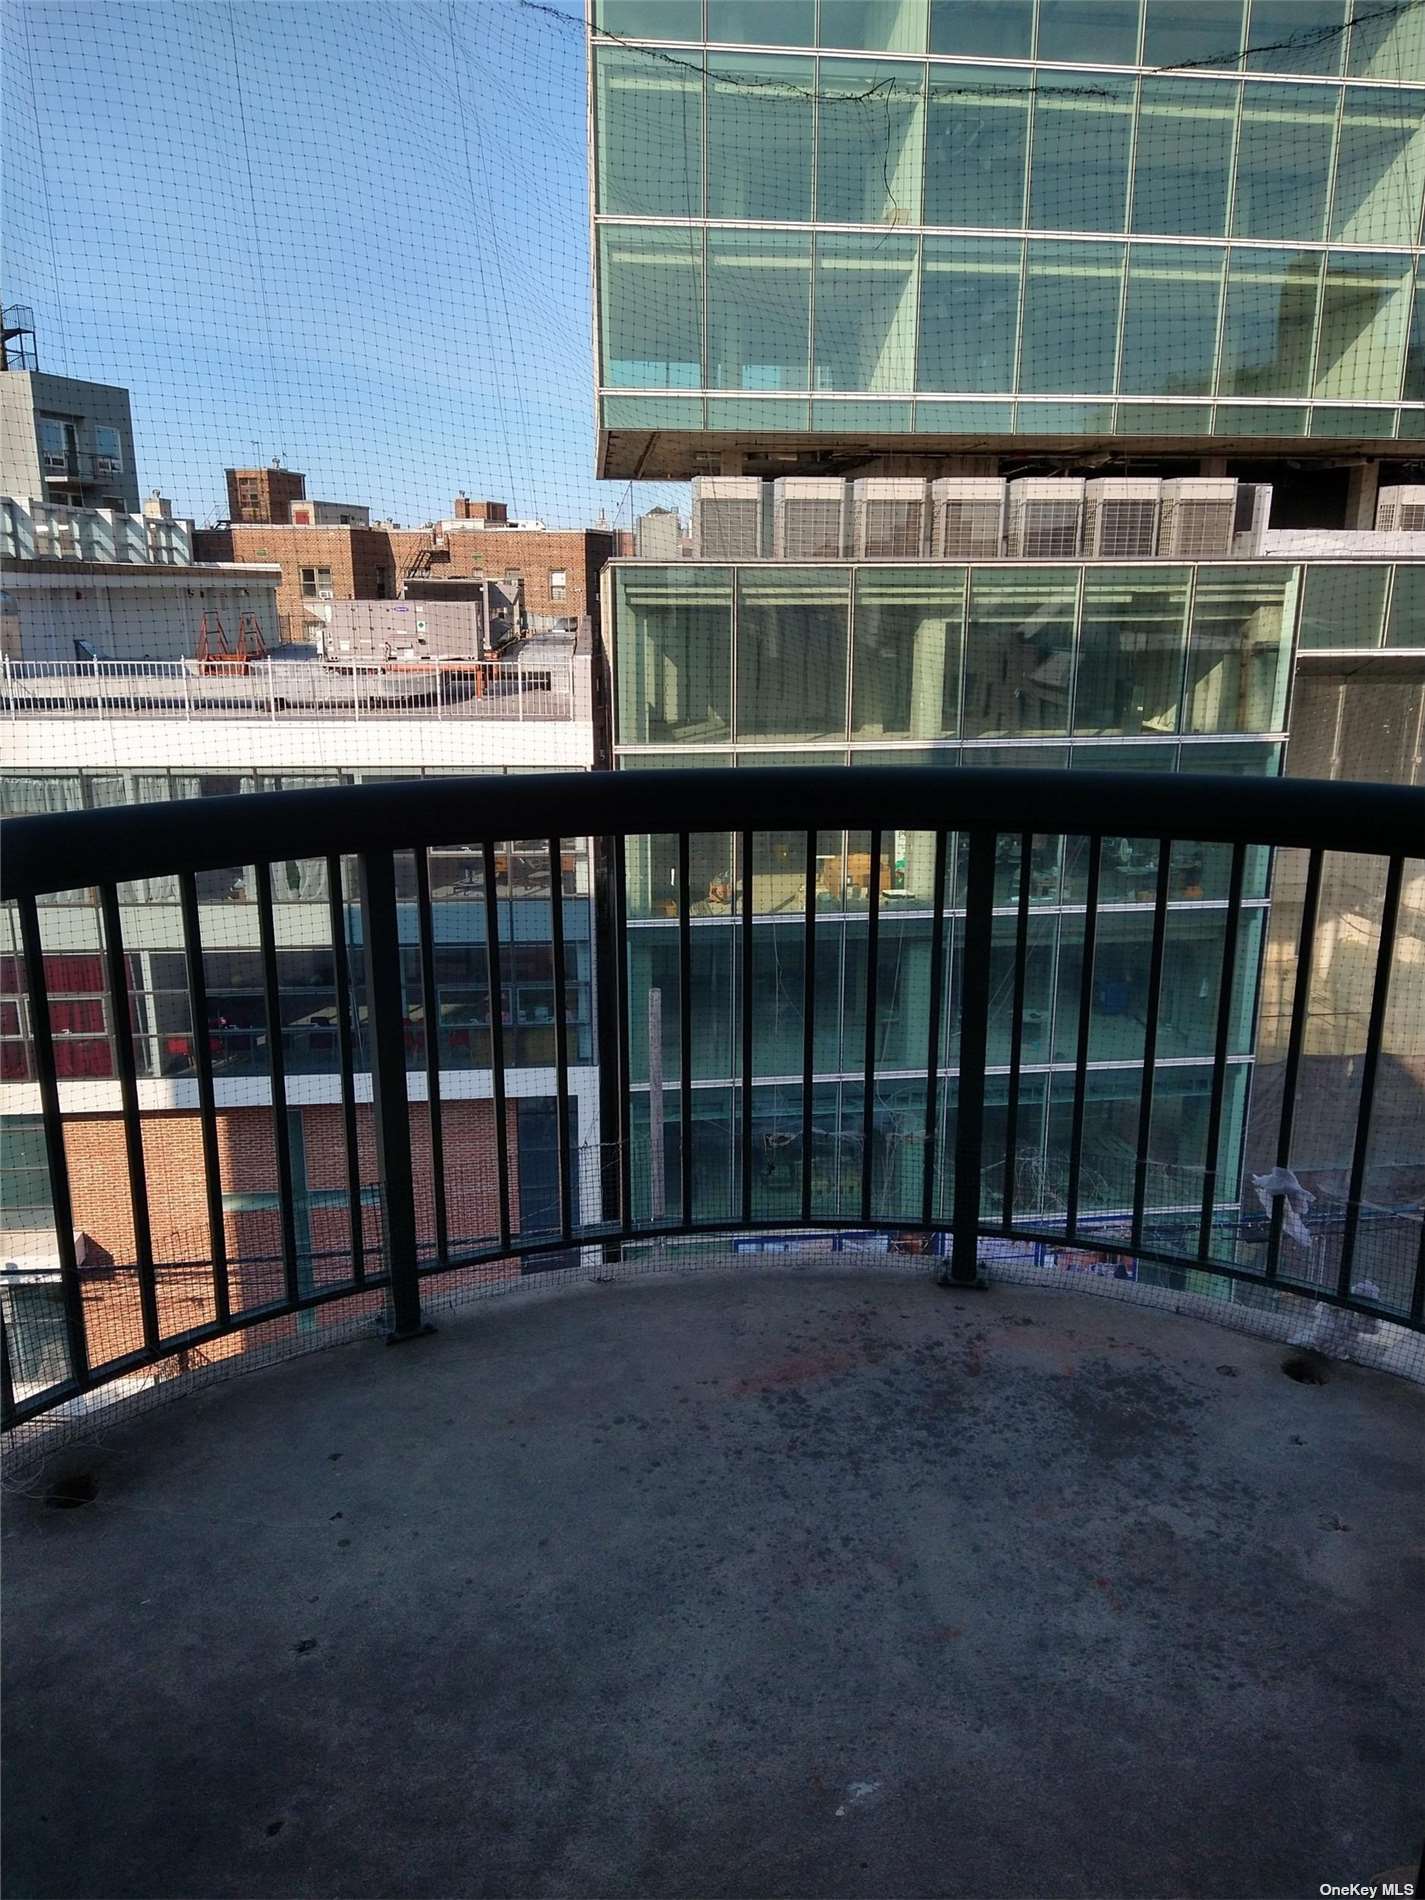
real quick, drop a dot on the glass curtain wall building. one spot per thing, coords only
(979, 221)
(1152, 666)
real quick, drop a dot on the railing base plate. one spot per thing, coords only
(980, 1283)
(419, 1332)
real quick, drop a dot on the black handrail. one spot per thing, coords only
(105, 849)
(71, 850)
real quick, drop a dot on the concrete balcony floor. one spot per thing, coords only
(803, 1583)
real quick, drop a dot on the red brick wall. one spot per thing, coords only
(247, 1161)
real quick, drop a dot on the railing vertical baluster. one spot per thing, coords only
(933, 1032)
(868, 1085)
(1081, 1053)
(497, 1039)
(1016, 1027)
(1296, 1040)
(1220, 1049)
(808, 1019)
(430, 1003)
(336, 909)
(7, 1382)
(129, 1100)
(1150, 1039)
(42, 1041)
(744, 845)
(207, 1098)
(568, 1213)
(1370, 1064)
(622, 1032)
(974, 1047)
(277, 1072)
(386, 1043)
(685, 1027)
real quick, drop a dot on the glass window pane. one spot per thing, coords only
(982, 29)
(760, 137)
(650, 136)
(651, 295)
(1070, 318)
(763, 22)
(1380, 167)
(1296, 36)
(1389, 43)
(1170, 319)
(1183, 159)
(906, 670)
(869, 134)
(651, 19)
(865, 312)
(1284, 161)
(1365, 315)
(874, 26)
(1019, 652)
(1270, 323)
(1089, 30)
(759, 310)
(1078, 177)
(791, 653)
(975, 143)
(1239, 652)
(673, 654)
(1209, 32)
(1131, 650)
(1407, 608)
(1415, 352)
(1343, 606)
(969, 313)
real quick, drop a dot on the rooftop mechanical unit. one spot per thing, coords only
(967, 518)
(1252, 519)
(1401, 510)
(727, 518)
(1199, 515)
(1121, 518)
(1046, 515)
(808, 518)
(888, 518)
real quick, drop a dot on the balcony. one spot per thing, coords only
(552, 686)
(731, 1535)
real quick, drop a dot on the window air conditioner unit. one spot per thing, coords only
(1252, 519)
(1199, 512)
(727, 518)
(1121, 518)
(1401, 510)
(888, 518)
(1046, 517)
(808, 518)
(967, 518)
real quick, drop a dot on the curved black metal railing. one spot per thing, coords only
(373, 824)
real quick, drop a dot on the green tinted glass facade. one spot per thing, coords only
(1077, 247)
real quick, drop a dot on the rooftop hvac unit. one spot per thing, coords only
(727, 518)
(808, 518)
(888, 518)
(1045, 516)
(1198, 516)
(967, 518)
(1252, 519)
(1401, 510)
(1121, 518)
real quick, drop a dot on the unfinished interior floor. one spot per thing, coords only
(774, 1583)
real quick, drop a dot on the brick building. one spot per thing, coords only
(558, 567)
(263, 494)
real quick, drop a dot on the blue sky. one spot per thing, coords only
(352, 235)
